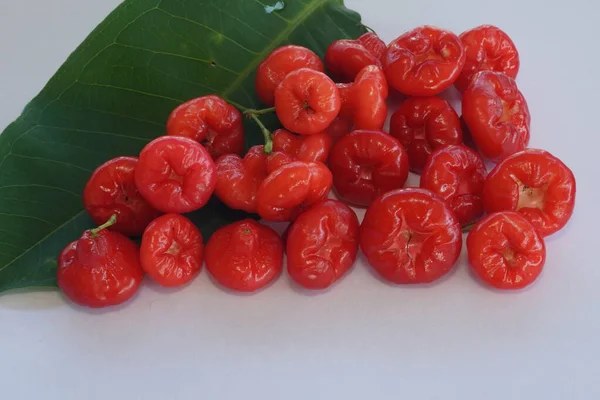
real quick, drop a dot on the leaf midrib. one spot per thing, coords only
(294, 23)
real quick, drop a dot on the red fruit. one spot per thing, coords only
(175, 174)
(238, 179)
(367, 99)
(410, 236)
(487, 48)
(456, 174)
(111, 191)
(307, 101)
(244, 256)
(291, 189)
(497, 115)
(366, 164)
(283, 60)
(322, 244)
(424, 62)
(373, 44)
(423, 124)
(535, 184)
(346, 58)
(212, 122)
(506, 251)
(288, 147)
(100, 269)
(171, 251)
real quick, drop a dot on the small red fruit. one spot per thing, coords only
(238, 179)
(373, 44)
(497, 115)
(307, 101)
(487, 48)
(211, 121)
(423, 124)
(456, 174)
(346, 58)
(171, 251)
(535, 184)
(278, 64)
(244, 256)
(288, 147)
(424, 62)
(111, 191)
(367, 99)
(506, 251)
(291, 189)
(322, 244)
(100, 269)
(366, 164)
(175, 174)
(410, 236)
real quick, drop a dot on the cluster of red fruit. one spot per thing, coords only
(409, 235)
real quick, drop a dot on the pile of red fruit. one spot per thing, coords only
(408, 235)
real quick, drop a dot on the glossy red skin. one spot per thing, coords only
(111, 191)
(283, 60)
(423, 124)
(322, 245)
(291, 189)
(535, 184)
(456, 174)
(238, 179)
(100, 271)
(288, 147)
(367, 99)
(424, 62)
(307, 101)
(373, 44)
(346, 58)
(171, 251)
(497, 115)
(366, 164)
(487, 48)
(410, 236)
(211, 121)
(175, 174)
(505, 251)
(244, 256)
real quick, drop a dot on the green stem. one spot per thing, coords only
(251, 112)
(368, 28)
(238, 106)
(266, 133)
(112, 220)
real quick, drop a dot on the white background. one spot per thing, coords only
(363, 339)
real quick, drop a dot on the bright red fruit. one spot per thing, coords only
(410, 236)
(171, 251)
(487, 48)
(367, 99)
(497, 115)
(373, 44)
(366, 164)
(238, 179)
(175, 174)
(424, 61)
(322, 244)
(291, 189)
(346, 58)
(100, 269)
(307, 101)
(456, 174)
(111, 191)
(288, 147)
(423, 124)
(278, 64)
(535, 184)
(506, 251)
(244, 256)
(212, 122)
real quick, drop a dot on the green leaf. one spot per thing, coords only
(114, 94)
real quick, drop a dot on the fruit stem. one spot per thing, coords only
(111, 221)
(469, 227)
(250, 112)
(368, 28)
(268, 148)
